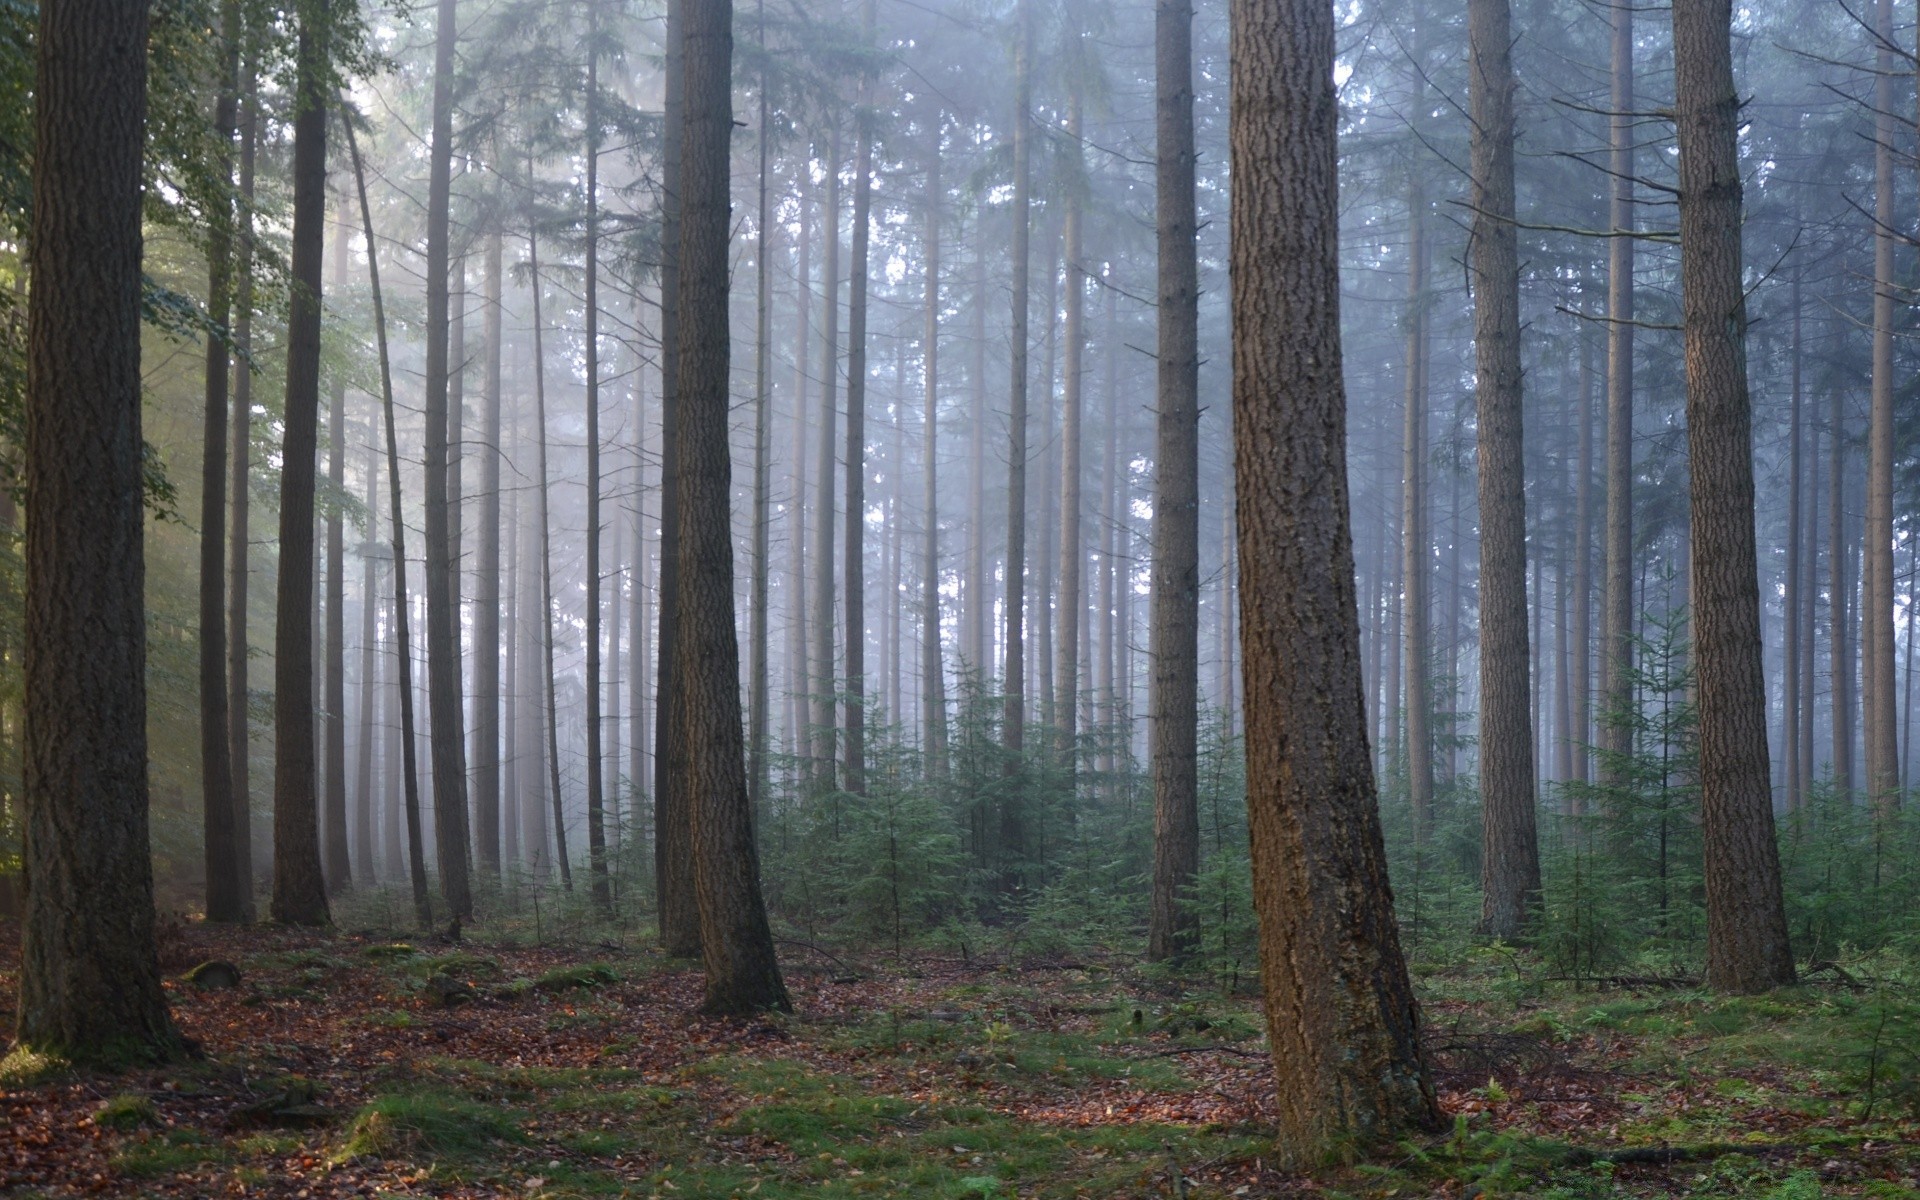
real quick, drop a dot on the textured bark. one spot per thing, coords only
(239, 706)
(299, 889)
(89, 977)
(407, 750)
(1876, 598)
(1510, 852)
(1341, 1016)
(1415, 568)
(737, 945)
(823, 684)
(1791, 695)
(759, 676)
(443, 633)
(227, 898)
(672, 848)
(933, 679)
(1616, 603)
(486, 608)
(1173, 646)
(600, 884)
(1747, 947)
(855, 650)
(335, 855)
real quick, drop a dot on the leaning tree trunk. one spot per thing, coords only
(402, 605)
(299, 887)
(1341, 1016)
(1510, 849)
(89, 976)
(443, 632)
(1174, 639)
(737, 944)
(226, 893)
(1747, 947)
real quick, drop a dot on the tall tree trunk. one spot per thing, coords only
(443, 635)
(545, 516)
(512, 802)
(1510, 853)
(333, 813)
(226, 891)
(1341, 1016)
(1580, 684)
(1839, 595)
(1809, 594)
(672, 840)
(1173, 703)
(486, 608)
(402, 628)
(89, 976)
(1110, 568)
(799, 674)
(239, 702)
(299, 889)
(737, 944)
(1014, 721)
(1746, 918)
(1066, 671)
(759, 677)
(1791, 696)
(1876, 598)
(933, 681)
(601, 885)
(1413, 520)
(824, 683)
(855, 651)
(1616, 603)
(975, 642)
(363, 807)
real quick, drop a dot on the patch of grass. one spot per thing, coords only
(426, 1123)
(126, 1112)
(575, 976)
(170, 1153)
(389, 951)
(390, 1018)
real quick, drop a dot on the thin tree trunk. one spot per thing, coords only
(1747, 947)
(1580, 685)
(545, 517)
(1839, 593)
(759, 677)
(226, 890)
(1173, 703)
(512, 814)
(799, 673)
(369, 694)
(1616, 612)
(976, 648)
(1791, 696)
(402, 630)
(933, 682)
(89, 976)
(333, 813)
(1876, 598)
(1341, 1016)
(824, 683)
(239, 701)
(1413, 520)
(1014, 721)
(737, 944)
(1072, 602)
(855, 649)
(486, 608)
(299, 889)
(1810, 592)
(1510, 855)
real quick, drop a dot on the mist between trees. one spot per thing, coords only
(969, 475)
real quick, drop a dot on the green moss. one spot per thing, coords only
(577, 975)
(170, 1153)
(426, 1123)
(126, 1112)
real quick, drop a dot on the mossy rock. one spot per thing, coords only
(580, 975)
(214, 975)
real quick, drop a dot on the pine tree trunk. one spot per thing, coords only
(855, 650)
(1413, 520)
(1341, 1016)
(742, 974)
(299, 889)
(1746, 919)
(1510, 854)
(823, 685)
(1580, 684)
(333, 813)
(225, 888)
(799, 674)
(1072, 602)
(1791, 695)
(486, 608)
(544, 514)
(933, 681)
(1616, 611)
(1840, 593)
(1876, 598)
(976, 648)
(1013, 847)
(759, 676)
(1173, 649)
(512, 812)
(363, 806)
(89, 976)
(402, 628)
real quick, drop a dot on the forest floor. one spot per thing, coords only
(366, 1065)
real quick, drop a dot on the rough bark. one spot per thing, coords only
(1173, 640)
(1747, 947)
(89, 976)
(1341, 1016)
(1510, 853)
(737, 944)
(299, 888)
